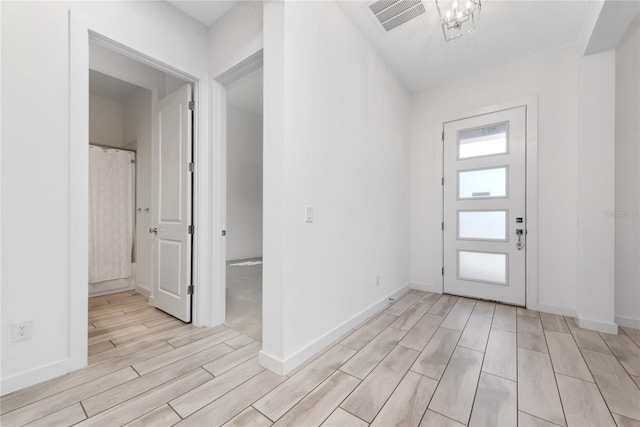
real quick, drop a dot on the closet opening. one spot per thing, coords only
(244, 183)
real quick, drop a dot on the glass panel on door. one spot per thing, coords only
(487, 225)
(482, 267)
(482, 183)
(484, 141)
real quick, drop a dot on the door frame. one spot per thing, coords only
(219, 138)
(83, 29)
(531, 186)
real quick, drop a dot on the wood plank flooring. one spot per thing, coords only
(427, 360)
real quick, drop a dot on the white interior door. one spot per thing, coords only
(485, 206)
(171, 204)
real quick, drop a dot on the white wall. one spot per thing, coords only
(137, 126)
(244, 184)
(627, 167)
(596, 192)
(36, 265)
(336, 138)
(235, 36)
(597, 188)
(105, 121)
(553, 78)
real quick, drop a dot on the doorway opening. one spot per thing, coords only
(140, 198)
(244, 204)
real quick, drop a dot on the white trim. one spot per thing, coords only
(200, 81)
(144, 291)
(531, 104)
(218, 96)
(217, 298)
(628, 322)
(427, 288)
(78, 225)
(271, 363)
(201, 206)
(37, 375)
(532, 201)
(283, 367)
(596, 325)
(250, 64)
(546, 308)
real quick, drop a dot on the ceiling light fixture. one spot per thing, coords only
(458, 18)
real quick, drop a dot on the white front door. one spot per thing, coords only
(485, 205)
(171, 204)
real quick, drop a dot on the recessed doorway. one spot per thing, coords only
(244, 204)
(140, 182)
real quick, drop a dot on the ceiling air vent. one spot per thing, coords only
(393, 13)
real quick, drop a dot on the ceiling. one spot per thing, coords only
(246, 92)
(109, 87)
(205, 11)
(508, 30)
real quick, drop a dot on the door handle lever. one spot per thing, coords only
(519, 233)
(153, 230)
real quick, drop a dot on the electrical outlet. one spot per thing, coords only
(378, 280)
(21, 330)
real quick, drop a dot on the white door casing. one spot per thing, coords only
(171, 204)
(484, 205)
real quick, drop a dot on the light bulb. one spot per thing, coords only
(468, 5)
(448, 15)
(459, 15)
(454, 6)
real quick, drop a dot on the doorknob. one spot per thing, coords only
(519, 233)
(153, 230)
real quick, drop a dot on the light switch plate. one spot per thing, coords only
(308, 214)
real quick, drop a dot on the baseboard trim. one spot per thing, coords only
(271, 363)
(38, 375)
(283, 367)
(437, 289)
(107, 287)
(596, 325)
(552, 309)
(628, 322)
(144, 291)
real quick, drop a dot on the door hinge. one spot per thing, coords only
(443, 226)
(192, 105)
(190, 290)
(192, 167)
(443, 135)
(443, 271)
(224, 233)
(442, 180)
(192, 229)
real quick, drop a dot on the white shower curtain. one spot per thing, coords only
(110, 214)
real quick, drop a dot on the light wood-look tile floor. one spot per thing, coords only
(427, 360)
